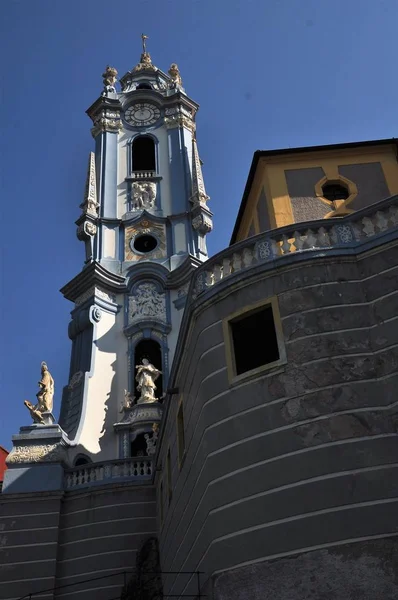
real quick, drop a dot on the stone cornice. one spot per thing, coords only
(92, 275)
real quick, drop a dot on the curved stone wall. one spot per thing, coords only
(299, 461)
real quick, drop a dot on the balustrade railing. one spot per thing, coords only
(108, 472)
(143, 174)
(350, 230)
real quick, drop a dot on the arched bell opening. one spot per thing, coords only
(151, 350)
(143, 154)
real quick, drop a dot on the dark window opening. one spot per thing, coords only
(334, 191)
(144, 86)
(180, 433)
(145, 243)
(82, 460)
(169, 478)
(161, 502)
(150, 350)
(138, 446)
(144, 154)
(254, 340)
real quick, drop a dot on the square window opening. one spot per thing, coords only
(254, 340)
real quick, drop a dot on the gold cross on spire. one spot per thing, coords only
(144, 38)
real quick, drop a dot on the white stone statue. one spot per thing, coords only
(151, 442)
(127, 401)
(44, 396)
(143, 194)
(146, 377)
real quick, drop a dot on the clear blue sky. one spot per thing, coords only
(267, 74)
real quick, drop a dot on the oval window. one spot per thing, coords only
(145, 243)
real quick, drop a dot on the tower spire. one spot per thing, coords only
(145, 63)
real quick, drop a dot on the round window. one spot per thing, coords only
(145, 243)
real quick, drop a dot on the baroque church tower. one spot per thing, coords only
(144, 223)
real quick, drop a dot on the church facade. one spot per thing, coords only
(229, 428)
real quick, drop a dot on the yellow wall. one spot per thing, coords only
(270, 176)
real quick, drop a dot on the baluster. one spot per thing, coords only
(323, 237)
(275, 247)
(299, 241)
(311, 241)
(217, 273)
(247, 257)
(286, 245)
(381, 221)
(368, 227)
(86, 476)
(236, 262)
(226, 267)
(209, 279)
(393, 215)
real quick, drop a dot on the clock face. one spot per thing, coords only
(142, 113)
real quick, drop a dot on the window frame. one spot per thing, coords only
(181, 447)
(233, 378)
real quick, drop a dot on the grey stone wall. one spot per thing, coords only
(300, 458)
(301, 187)
(370, 181)
(28, 542)
(54, 539)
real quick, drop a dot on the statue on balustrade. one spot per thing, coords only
(44, 397)
(146, 377)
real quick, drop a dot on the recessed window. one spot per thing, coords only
(169, 480)
(335, 191)
(180, 434)
(143, 154)
(151, 350)
(145, 243)
(161, 503)
(252, 339)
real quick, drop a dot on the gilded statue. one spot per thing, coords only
(175, 76)
(146, 377)
(44, 396)
(110, 78)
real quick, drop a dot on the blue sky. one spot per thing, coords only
(267, 74)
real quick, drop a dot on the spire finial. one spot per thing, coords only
(144, 38)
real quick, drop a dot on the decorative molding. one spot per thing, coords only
(95, 291)
(90, 204)
(143, 195)
(108, 121)
(35, 454)
(145, 227)
(147, 303)
(202, 223)
(179, 121)
(199, 195)
(75, 380)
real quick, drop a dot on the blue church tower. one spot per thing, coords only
(144, 223)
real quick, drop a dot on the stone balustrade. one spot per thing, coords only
(143, 174)
(108, 472)
(319, 236)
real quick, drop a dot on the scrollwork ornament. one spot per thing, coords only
(95, 314)
(42, 453)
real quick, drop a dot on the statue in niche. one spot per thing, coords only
(44, 397)
(146, 377)
(143, 195)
